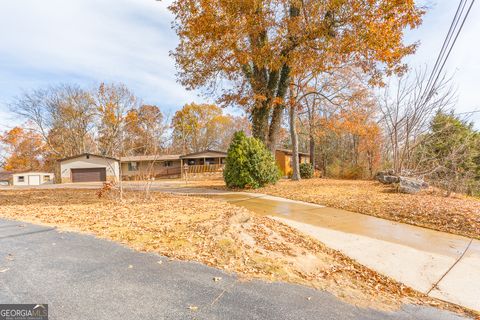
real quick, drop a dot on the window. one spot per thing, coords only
(133, 166)
(21, 179)
(168, 164)
(210, 161)
(46, 178)
(191, 162)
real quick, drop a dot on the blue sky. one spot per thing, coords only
(49, 42)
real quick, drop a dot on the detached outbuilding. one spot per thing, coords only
(283, 157)
(89, 167)
(32, 178)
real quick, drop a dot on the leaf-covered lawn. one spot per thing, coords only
(215, 233)
(458, 214)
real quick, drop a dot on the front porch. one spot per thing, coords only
(208, 161)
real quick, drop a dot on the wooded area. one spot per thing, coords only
(307, 75)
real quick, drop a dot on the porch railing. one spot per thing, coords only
(203, 168)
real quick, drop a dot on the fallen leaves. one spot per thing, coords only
(459, 214)
(214, 233)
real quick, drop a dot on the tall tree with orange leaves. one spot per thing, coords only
(145, 131)
(112, 102)
(24, 149)
(197, 127)
(254, 47)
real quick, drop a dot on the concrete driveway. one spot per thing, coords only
(439, 264)
(82, 277)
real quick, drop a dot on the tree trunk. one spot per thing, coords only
(267, 116)
(294, 136)
(274, 129)
(260, 117)
(312, 150)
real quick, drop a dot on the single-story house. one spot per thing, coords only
(172, 166)
(156, 166)
(32, 178)
(284, 160)
(6, 178)
(88, 167)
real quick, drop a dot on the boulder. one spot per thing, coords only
(387, 177)
(411, 186)
(390, 179)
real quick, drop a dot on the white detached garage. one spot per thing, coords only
(32, 178)
(89, 167)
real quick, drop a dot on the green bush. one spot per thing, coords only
(306, 171)
(249, 164)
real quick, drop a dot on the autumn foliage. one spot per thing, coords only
(198, 127)
(258, 46)
(25, 149)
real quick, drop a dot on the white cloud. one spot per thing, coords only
(87, 41)
(52, 41)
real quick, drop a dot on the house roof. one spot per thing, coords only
(151, 158)
(290, 152)
(30, 172)
(204, 154)
(88, 154)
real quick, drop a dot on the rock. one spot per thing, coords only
(387, 177)
(411, 186)
(390, 179)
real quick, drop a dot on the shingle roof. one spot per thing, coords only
(207, 152)
(88, 154)
(151, 158)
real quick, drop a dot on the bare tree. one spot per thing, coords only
(62, 115)
(406, 112)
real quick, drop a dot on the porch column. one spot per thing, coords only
(181, 168)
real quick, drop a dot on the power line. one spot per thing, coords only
(454, 41)
(446, 41)
(437, 71)
(468, 112)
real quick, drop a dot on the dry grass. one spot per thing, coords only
(458, 214)
(214, 233)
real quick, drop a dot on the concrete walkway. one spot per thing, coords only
(442, 265)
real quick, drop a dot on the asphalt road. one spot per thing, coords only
(82, 277)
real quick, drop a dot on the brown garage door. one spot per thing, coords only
(89, 175)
